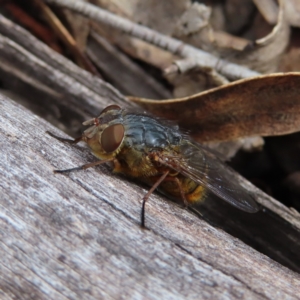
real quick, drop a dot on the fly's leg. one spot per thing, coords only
(185, 202)
(146, 197)
(84, 167)
(69, 141)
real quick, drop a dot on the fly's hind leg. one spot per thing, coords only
(146, 197)
(185, 202)
(156, 184)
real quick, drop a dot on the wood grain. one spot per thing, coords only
(78, 236)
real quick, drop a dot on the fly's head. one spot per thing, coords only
(106, 133)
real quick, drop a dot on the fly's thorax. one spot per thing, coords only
(145, 133)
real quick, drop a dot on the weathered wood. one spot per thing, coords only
(49, 83)
(78, 236)
(35, 54)
(124, 74)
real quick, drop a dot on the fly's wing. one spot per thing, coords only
(198, 164)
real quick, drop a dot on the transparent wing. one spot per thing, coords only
(203, 167)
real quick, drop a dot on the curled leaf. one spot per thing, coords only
(293, 11)
(261, 106)
(265, 53)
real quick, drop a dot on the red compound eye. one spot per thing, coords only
(112, 137)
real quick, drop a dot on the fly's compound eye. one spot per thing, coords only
(112, 137)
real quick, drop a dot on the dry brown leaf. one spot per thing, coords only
(225, 40)
(193, 19)
(137, 48)
(194, 27)
(134, 47)
(228, 149)
(293, 12)
(170, 18)
(261, 106)
(290, 61)
(143, 51)
(265, 54)
(130, 79)
(231, 9)
(156, 14)
(269, 10)
(194, 81)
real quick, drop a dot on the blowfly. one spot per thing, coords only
(158, 154)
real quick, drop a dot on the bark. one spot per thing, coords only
(78, 236)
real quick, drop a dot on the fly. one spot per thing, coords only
(158, 154)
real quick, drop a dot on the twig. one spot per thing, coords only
(173, 45)
(65, 37)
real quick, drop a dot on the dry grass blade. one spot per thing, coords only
(65, 37)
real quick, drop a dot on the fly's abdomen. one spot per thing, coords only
(193, 192)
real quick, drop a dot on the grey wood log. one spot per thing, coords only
(48, 82)
(78, 236)
(122, 72)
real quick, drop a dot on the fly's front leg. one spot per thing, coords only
(84, 167)
(72, 142)
(68, 141)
